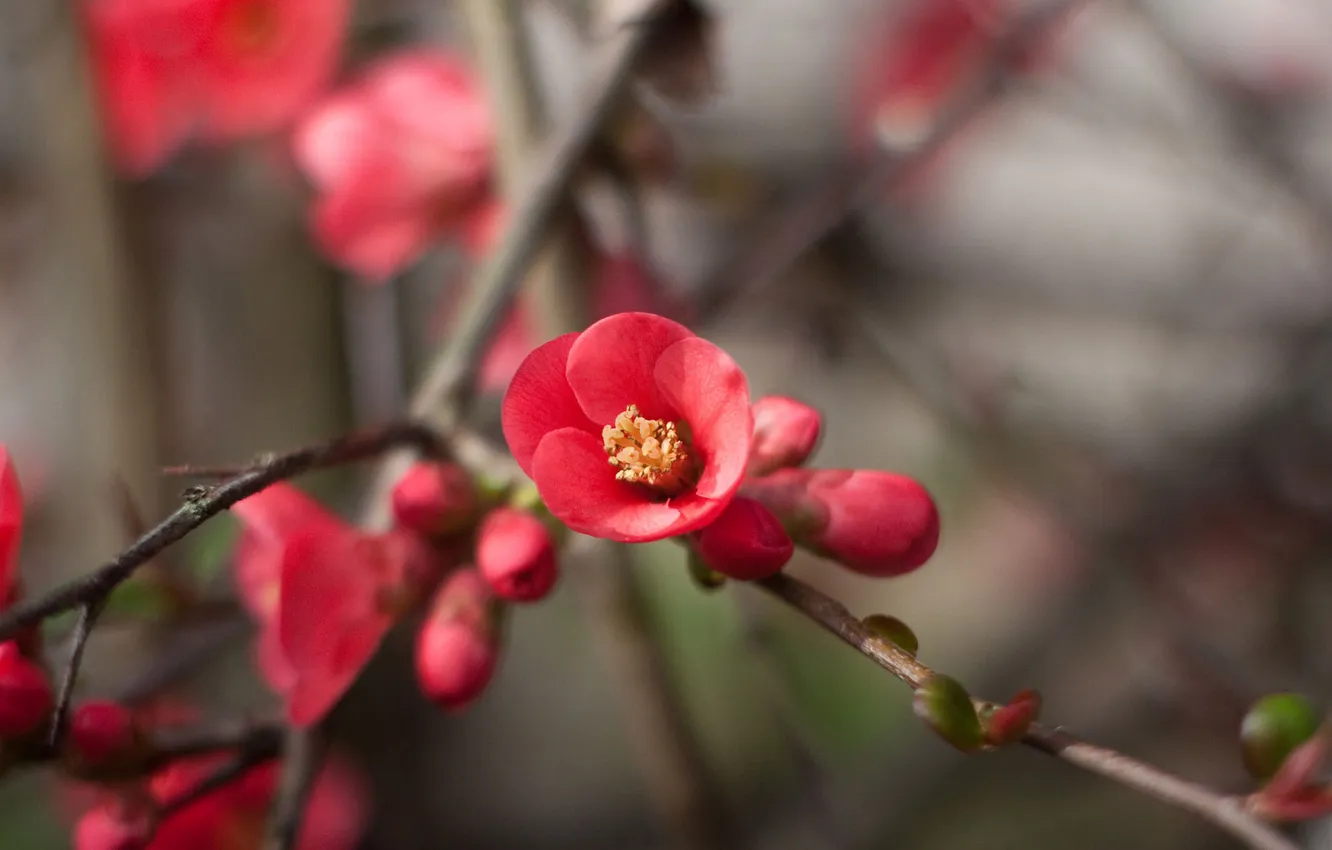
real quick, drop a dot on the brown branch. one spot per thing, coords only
(97, 585)
(1223, 812)
(305, 755)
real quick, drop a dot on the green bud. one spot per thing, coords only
(946, 707)
(894, 631)
(1273, 728)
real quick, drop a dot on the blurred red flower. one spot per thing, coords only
(396, 159)
(219, 69)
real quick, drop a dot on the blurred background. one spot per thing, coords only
(1095, 322)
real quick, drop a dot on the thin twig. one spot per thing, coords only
(1223, 812)
(305, 755)
(79, 642)
(195, 512)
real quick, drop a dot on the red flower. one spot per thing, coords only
(875, 523)
(669, 411)
(324, 593)
(11, 526)
(457, 649)
(515, 553)
(786, 432)
(115, 825)
(270, 518)
(398, 158)
(220, 68)
(341, 593)
(746, 542)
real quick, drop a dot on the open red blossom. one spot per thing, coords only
(11, 526)
(221, 69)
(341, 593)
(875, 523)
(397, 159)
(746, 542)
(515, 553)
(786, 432)
(633, 430)
(457, 649)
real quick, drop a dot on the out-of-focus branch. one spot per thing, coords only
(784, 236)
(209, 502)
(1224, 812)
(305, 755)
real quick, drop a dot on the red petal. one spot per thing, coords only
(611, 366)
(580, 489)
(359, 231)
(269, 518)
(11, 522)
(255, 82)
(540, 401)
(332, 142)
(711, 393)
(329, 623)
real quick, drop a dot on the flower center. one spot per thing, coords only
(648, 451)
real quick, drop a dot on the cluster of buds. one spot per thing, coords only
(500, 552)
(874, 523)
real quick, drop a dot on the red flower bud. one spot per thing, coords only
(114, 826)
(746, 542)
(874, 523)
(515, 553)
(436, 499)
(102, 734)
(25, 694)
(457, 648)
(786, 432)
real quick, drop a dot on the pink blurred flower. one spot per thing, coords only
(398, 158)
(324, 594)
(230, 818)
(221, 69)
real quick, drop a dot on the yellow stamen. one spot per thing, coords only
(647, 451)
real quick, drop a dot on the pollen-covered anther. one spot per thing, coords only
(647, 451)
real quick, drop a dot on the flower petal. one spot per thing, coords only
(329, 623)
(611, 365)
(580, 489)
(539, 401)
(11, 523)
(711, 393)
